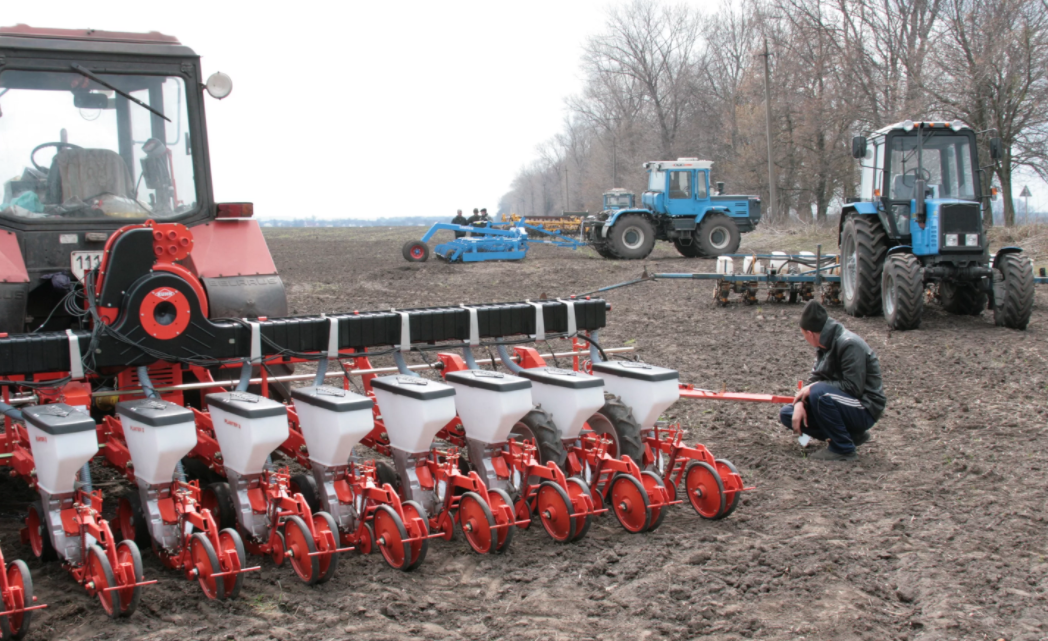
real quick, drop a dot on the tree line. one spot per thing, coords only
(663, 81)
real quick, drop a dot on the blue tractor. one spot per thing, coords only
(678, 206)
(917, 223)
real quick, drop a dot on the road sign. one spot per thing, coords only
(1026, 193)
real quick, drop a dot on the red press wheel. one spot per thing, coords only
(279, 551)
(99, 576)
(205, 562)
(502, 508)
(629, 499)
(554, 507)
(652, 483)
(232, 546)
(130, 560)
(732, 486)
(19, 595)
(477, 523)
(577, 488)
(417, 526)
(324, 523)
(390, 535)
(39, 539)
(365, 542)
(705, 490)
(299, 543)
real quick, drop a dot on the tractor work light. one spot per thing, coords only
(957, 125)
(907, 125)
(951, 240)
(219, 85)
(971, 240)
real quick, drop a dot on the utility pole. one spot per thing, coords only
(773, 195)
(567, 191)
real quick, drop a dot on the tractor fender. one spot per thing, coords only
(1011, 249)
(900, 249)
(611, 221)
(716, 210)
(863, 208)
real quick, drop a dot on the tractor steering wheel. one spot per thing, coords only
(59, 145)
(925, 174)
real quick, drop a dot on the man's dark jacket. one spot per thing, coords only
(849, 364)
(459, 220)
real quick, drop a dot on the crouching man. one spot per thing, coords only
(844, 397)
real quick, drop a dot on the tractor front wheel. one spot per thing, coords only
(1013, 291)
(717, 235)
(863, 246)
(632, 237)
(902, 288)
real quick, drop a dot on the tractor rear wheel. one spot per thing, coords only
(863, 246)
(962, 298)
(1013, 291)
(902, 287)
(691, 250)
(632, 237)
(717, 235)
(615, 420)
(602, 249)
(415, 251)
(537, 426)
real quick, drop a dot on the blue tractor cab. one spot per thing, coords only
(680, 206)
(918, 223)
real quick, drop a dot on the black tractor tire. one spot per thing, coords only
(537, 425)
(717, 235)
(1013, 291)
(902, 288)
(863, 248)
(691, 250)
(632, 237)
(616, 420)
(602, 249)
(415, 251)
(218, 497)
(963, 299)
(303, 483)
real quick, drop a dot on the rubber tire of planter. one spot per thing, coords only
(902, 292)
(962, 298)
(616, 420)
(1014, 295)
(306, 485)
(538, 425)
(384, 473)
(218, 497)
(638, 224)
(131, 501)
(710, 225)
(691, 250)
(415, 251)
(17, 626)
(864, 237)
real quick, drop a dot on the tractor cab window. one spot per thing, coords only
(700, 185)
(76, 148)
(657, 181)
(680, 184)
(945, 166)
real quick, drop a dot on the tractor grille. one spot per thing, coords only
(960, 218)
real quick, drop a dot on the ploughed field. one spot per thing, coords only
(938, 532)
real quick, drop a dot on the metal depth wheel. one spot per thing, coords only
(99, 575)
(324, 523)
(478, 523)
(390, 535)
(577, 488)
(300, 545)
(500, 502)
(279, 551)
(205, 562)
(630, 502)
(554, 507)
(39, 537)
(20, 595)
(415, 251)
(652, 482)
(127, 553)
(704, 488)
(231, 543)
(732, 487)
(131, 520)
(416, 530)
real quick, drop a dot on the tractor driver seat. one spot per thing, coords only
(904, 187)
(82, 174)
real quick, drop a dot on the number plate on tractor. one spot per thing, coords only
(82, 262)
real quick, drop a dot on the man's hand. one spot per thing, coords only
(800, 417)
(802, 394)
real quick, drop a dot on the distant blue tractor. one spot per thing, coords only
(918, 222)
(678, 206)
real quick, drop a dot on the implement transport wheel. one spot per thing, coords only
(217, 498)
(390, 536)
(1013, 291)
(131, 521)
(205, 562)
(477, 523)
(537, 426)
(689, 250)
(732, 486)
(127, 555)
(632, 237)
(231, 543)
(863, 247)
(99, 575)
(554, 507)
(902, 291)
(324, 523)
(629, 500)
(39, 538)
(20, 595)
(705, 489)
(503, 510)
(962, 298)
(415, 251)
(305, 485)
(577, 489)
(299, 544)
(652, 482)
(615, 420)
(417, 527)
(717, 235)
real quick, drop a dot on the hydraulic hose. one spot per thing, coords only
(507, 360)
(10, 411)
(398, 358)
(245, 376)
(467, 354)
(147, 385)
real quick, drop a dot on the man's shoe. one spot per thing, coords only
(829, 455)
(861, 438)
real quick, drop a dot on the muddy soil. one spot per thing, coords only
(938, 532)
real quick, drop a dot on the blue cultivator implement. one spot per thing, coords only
(498, 242)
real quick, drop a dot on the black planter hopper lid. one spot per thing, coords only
(413, 387)
(488, 380)
(246, 404)
(333, 399)
(639, 371)
(562, 377)
(154, 412)
(58, 418)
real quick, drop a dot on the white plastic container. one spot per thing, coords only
(61, 439)
(333, 420)
(158, 435)
(647, 389)
(571, 397)
(413, 409)
(725, 266)
(777, 264)
(750, 265)
(490, 403)
(248, 428)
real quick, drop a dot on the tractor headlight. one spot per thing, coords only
(971, 240)
(951, 240)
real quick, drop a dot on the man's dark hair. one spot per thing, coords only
(475, 210)
(814, 316)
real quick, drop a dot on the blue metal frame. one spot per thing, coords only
(500, 241)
